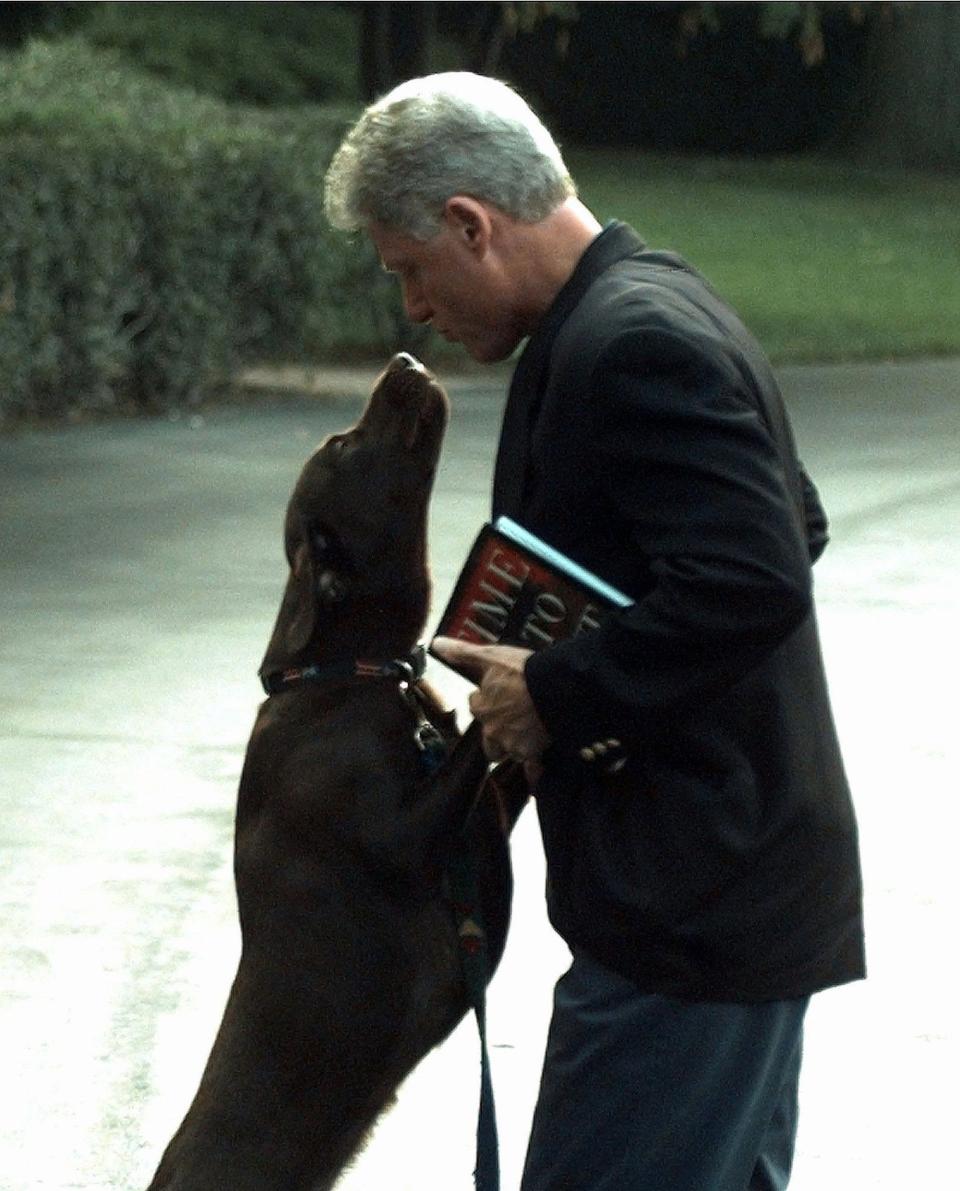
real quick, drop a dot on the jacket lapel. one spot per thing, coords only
(512, 471)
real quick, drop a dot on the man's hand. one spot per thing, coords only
(502, 703)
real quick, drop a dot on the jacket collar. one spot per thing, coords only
(616, 242)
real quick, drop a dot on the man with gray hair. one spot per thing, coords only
(701, 845)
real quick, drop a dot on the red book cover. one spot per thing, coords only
(515, 589)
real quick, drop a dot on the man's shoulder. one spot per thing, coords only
(653, 302)
(648, 288)
(650, 296)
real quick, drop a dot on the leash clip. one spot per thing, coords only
(429, 739)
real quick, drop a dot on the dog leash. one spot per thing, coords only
(474, 963)
(476, 972)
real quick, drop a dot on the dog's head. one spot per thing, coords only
(356, 528)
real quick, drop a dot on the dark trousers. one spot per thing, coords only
(644, 1093)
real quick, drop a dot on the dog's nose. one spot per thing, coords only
(403, 360)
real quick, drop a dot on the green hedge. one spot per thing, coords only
(276, 54)
(152, 239)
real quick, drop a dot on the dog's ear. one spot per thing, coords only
(297, 617)
(317, 580)
(300, 601)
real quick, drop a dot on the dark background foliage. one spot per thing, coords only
(633, 74)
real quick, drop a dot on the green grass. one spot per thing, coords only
(823, 261)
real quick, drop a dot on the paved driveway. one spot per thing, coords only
(141, 565)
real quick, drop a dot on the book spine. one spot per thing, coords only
(531, 544)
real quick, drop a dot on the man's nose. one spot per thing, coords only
(417, 307)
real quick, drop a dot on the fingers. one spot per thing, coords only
(533, 772)
(501, 703)
(492, 747)
(461, 653)
(479, 659)
(496, 736)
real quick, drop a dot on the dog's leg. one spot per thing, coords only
(303, 1062)
(417, 839)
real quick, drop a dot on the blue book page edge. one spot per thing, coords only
(537, 546)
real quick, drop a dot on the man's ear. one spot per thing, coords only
(469, 220)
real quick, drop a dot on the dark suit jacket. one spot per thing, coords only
(646, 437)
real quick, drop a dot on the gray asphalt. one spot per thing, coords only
(141, 566)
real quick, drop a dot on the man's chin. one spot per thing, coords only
(489, 353)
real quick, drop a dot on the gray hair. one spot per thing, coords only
(434, 137)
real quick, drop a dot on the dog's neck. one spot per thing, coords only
(376, 632)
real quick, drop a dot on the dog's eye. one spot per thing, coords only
(324, 542)
(338, 446)
(320, 540)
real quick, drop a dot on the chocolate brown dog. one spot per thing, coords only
(349, 971)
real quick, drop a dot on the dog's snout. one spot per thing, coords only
(407, 407)
(403, 360)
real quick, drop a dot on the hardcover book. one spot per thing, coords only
(515, 589)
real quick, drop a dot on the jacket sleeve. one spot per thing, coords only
(815, 516)
(692, 474)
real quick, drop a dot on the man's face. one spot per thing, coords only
(460, 291)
